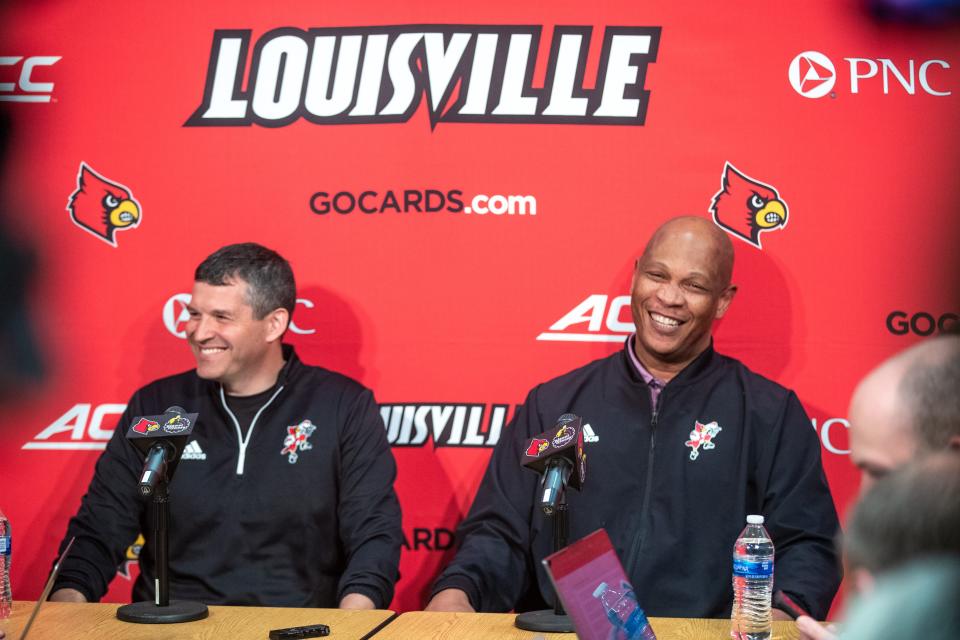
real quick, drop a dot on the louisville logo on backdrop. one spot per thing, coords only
(746, 207)
(102, 207)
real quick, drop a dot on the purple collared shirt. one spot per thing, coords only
(656, 385)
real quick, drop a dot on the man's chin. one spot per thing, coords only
(208, 373)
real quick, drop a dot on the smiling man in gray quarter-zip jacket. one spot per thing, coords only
(284, 494)
(683, 444)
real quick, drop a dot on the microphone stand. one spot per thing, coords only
(163, 610)
(555, 620)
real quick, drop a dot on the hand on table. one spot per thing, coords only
(357, 601)
(810, 629)
(450, 600)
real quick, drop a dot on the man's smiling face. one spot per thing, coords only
(680, 286)
(229, 343)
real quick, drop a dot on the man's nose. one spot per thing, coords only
(199, 329)
(669, 294)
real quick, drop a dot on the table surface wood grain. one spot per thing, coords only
(70, 621)
(422, 625)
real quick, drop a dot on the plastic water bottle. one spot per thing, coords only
(624, 613)
(752, 582)
(6, 601)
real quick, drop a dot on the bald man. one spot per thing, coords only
(686, 442)
(902, 411)
(906, 407)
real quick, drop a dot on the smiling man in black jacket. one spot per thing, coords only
(284, 495)
(686, 443)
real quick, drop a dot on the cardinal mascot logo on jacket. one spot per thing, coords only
(102, 207)
(746, 207)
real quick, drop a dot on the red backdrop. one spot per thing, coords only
(453, 311)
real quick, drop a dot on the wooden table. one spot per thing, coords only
(421, 625)
(69, 621)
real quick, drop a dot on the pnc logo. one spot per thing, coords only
(812, 74)
(175, 315)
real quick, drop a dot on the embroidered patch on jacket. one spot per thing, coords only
(296, 440)
(702, 434)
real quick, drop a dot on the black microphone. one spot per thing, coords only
(558, 455)
(161, 439)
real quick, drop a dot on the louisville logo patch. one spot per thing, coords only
(746, 207)
(297, 440)
(102, 207)
(145, 426)
(702, 436)
(538, 446)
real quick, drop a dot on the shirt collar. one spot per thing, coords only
(648, 377)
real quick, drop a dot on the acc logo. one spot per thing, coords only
(176, 424)
(603, 320)
(145, 426)
(29, 91)
(702, 434)
(812, 74)
(746, 207)
(296, 440)
(102, 207)
(564, 434)
(537, 447)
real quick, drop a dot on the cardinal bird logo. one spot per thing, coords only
(296, 440)
(702, 435)
(537, 446)
(746, 207)
(145, 426)
(102, 207)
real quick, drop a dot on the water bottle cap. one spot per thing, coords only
(754, 519)
(600, 590)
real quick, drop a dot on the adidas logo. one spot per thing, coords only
(193, 452)
(588, 434)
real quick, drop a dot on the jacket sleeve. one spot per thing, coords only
(491, 563)
(801, 515)
(108, 520)
(368, 510)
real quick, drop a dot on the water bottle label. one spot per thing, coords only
(752, 570)
(5, 545)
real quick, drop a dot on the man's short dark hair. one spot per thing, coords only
(929, 389)
(269, 278)
(912, 513)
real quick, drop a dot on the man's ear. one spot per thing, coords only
(725, 299)
(277, 322)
